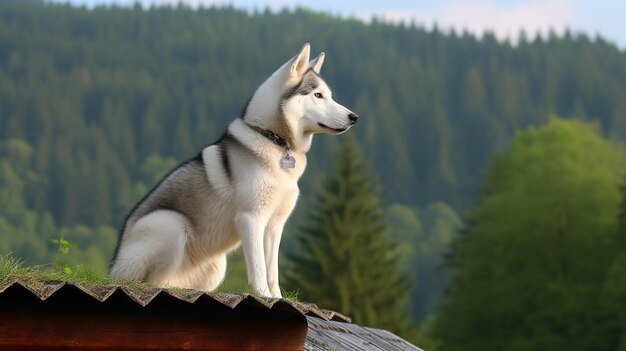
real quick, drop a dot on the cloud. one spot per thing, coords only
(479, 16)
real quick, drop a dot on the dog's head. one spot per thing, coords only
(308, 100)
(301, 98)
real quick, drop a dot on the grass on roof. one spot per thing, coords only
(12, 269)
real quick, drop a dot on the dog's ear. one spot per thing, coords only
(317, 63)
(300, 63)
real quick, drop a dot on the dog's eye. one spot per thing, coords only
(318, 95)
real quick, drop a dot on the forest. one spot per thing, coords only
(478, 149)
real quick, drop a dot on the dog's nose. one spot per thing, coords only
(353, 118)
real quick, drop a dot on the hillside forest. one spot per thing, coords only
(494, 162)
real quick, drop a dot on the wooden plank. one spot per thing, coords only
(332, 336)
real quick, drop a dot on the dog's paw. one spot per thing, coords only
(263, 291)
(275, 290)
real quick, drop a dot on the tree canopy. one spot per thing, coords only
(530, 269)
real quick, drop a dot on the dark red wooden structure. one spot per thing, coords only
(64, 316)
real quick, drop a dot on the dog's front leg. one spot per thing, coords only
(272, 242)
(251, 229)
(273, 235)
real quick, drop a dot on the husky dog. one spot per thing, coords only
(239, 190)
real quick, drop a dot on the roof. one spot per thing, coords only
(331, 336)
(143, 297)
(57, 314)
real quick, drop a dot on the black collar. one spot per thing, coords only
(276, 139)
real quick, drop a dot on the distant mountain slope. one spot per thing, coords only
(95, 92)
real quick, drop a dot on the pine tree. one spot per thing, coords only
(346, 260)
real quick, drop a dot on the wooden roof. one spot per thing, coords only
(61, 315)
(325, 335)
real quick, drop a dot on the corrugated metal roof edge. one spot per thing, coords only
(44, 290)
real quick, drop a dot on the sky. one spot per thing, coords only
(505, 18)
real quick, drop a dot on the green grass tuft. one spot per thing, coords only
(87, 275)
(12, 269)
(291, 295)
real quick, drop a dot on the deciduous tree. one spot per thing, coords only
(529, 268)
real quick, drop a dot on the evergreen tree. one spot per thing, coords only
(346, 260)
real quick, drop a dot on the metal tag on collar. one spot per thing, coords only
(287, 161)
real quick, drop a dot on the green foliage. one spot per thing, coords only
(615, 285)
(62, 251)
(12, 269)
(64, 246)
(28, 233)
(531, 269)
(98, 93)
(425, 235)
(346, 260)
(405, 227)
(236, 278)
(622, 215)
(155, 167)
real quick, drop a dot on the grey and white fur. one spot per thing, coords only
(235, 192)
